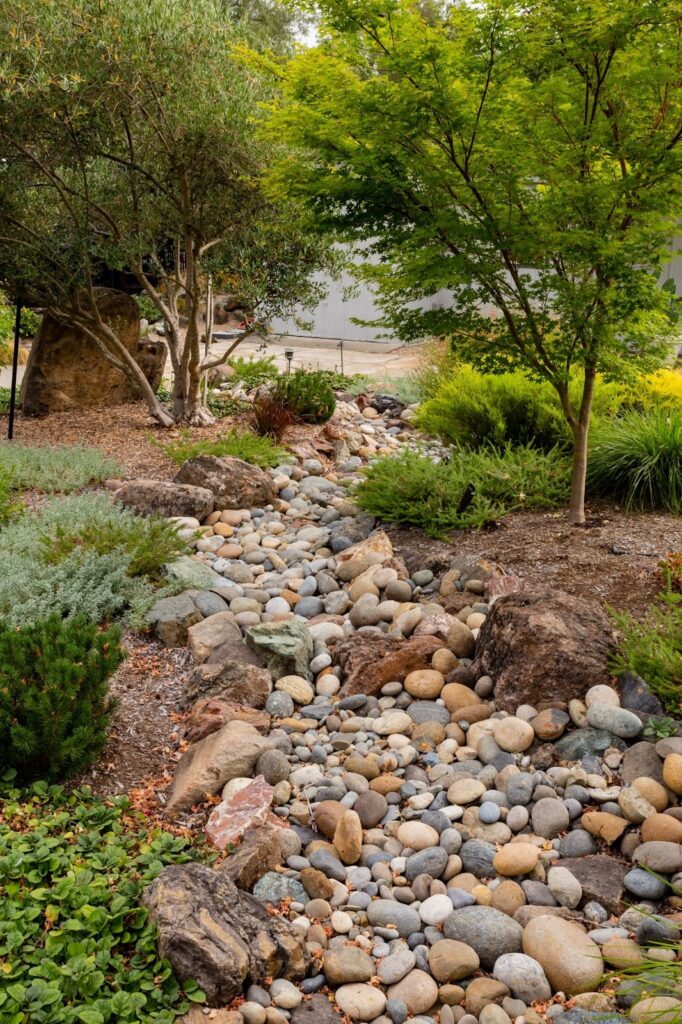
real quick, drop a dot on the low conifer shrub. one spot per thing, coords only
(55, 707)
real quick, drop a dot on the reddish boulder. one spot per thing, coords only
(211, 713)
(245, 810)
(370, 660)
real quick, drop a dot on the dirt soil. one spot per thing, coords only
(613, 560)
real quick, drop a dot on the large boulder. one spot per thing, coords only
(235, 681)
(218, 935)
(370, 660)
(233, 482)
(65, 369)
(544, 646)
(163, 498)
(230, 753)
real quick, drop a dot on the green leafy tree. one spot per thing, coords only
(127, 140)
(521, 159)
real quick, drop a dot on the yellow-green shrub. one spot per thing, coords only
(661, 388)
(475, 409)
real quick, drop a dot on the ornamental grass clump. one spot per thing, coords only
(637, 459)
(471, 489)
(652, 648)
(55, 707)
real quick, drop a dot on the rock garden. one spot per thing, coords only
(399, 792)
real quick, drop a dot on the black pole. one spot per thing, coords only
(15, 365)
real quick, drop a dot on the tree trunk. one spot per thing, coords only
(581, 428)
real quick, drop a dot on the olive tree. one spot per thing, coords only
(127, 141)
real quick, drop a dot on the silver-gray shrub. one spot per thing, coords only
(38, 578)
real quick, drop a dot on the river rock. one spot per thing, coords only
(450, 960)
(418, 991)
(346, 964)
(348, 837)
(390, 913)
(523, 976)
(571, 961)
(489, 932)
(361, 1002)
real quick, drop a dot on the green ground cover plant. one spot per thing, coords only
(241, 444)
(308, 394)
(653, 648)
(82, 554)
(56, 469)
(637, 458)
(55, 707)
(412, 488)
(250, 371)
(76, 944)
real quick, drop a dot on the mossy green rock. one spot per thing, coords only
(286, 647)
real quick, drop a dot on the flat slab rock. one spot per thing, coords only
(233, 817)
(601, 878)
(370, 660)
(211, 931)
(544, 645)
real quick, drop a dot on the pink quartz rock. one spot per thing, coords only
(233, 817)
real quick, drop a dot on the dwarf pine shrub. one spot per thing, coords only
(55, 708)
